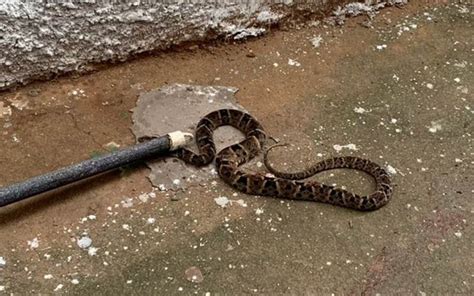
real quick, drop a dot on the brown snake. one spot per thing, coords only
(284, 185)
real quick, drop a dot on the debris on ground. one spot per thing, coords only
(316, 41)
(194, 275)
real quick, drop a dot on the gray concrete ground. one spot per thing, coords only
(397, 89)
(179, 107)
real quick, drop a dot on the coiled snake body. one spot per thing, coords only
(284, 185)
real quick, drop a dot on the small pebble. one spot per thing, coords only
(84, 242)
(194, 274)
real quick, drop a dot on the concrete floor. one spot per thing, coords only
(400, 92)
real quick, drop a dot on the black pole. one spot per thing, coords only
(39, 184)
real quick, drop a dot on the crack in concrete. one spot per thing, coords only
(76, 125)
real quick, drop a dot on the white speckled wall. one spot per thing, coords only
(38, 40)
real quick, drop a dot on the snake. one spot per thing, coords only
(278, 184)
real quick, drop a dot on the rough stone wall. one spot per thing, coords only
(39, 39)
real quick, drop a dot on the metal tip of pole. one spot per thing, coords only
(179, 139)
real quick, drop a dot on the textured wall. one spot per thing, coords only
(38, 40)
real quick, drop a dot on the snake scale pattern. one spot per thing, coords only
(283, 185)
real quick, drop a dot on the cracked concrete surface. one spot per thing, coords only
(398, 91)
(180, 107)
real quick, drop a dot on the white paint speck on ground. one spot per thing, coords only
(316, 41)
(143, 197)
(458, 234)
(74, 281)
(222, 201)
(463, 89)
(429, 85)
(463, 64)
(176, 182)
(2, 288)
(77, 93)
(150, 220)
(15, 139)
(293, 63)
(92, 251)
(162, 187)
(240, 202)
(259, 211)
(381, 47)
(84, 219)
(127, 203)
(34, 243)
(391, 170)
(58, 287)
(48, 276)
(463, 9)
(348, 146)
(3, 262)
(435, 127)
(360, 110)
(457, 79)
